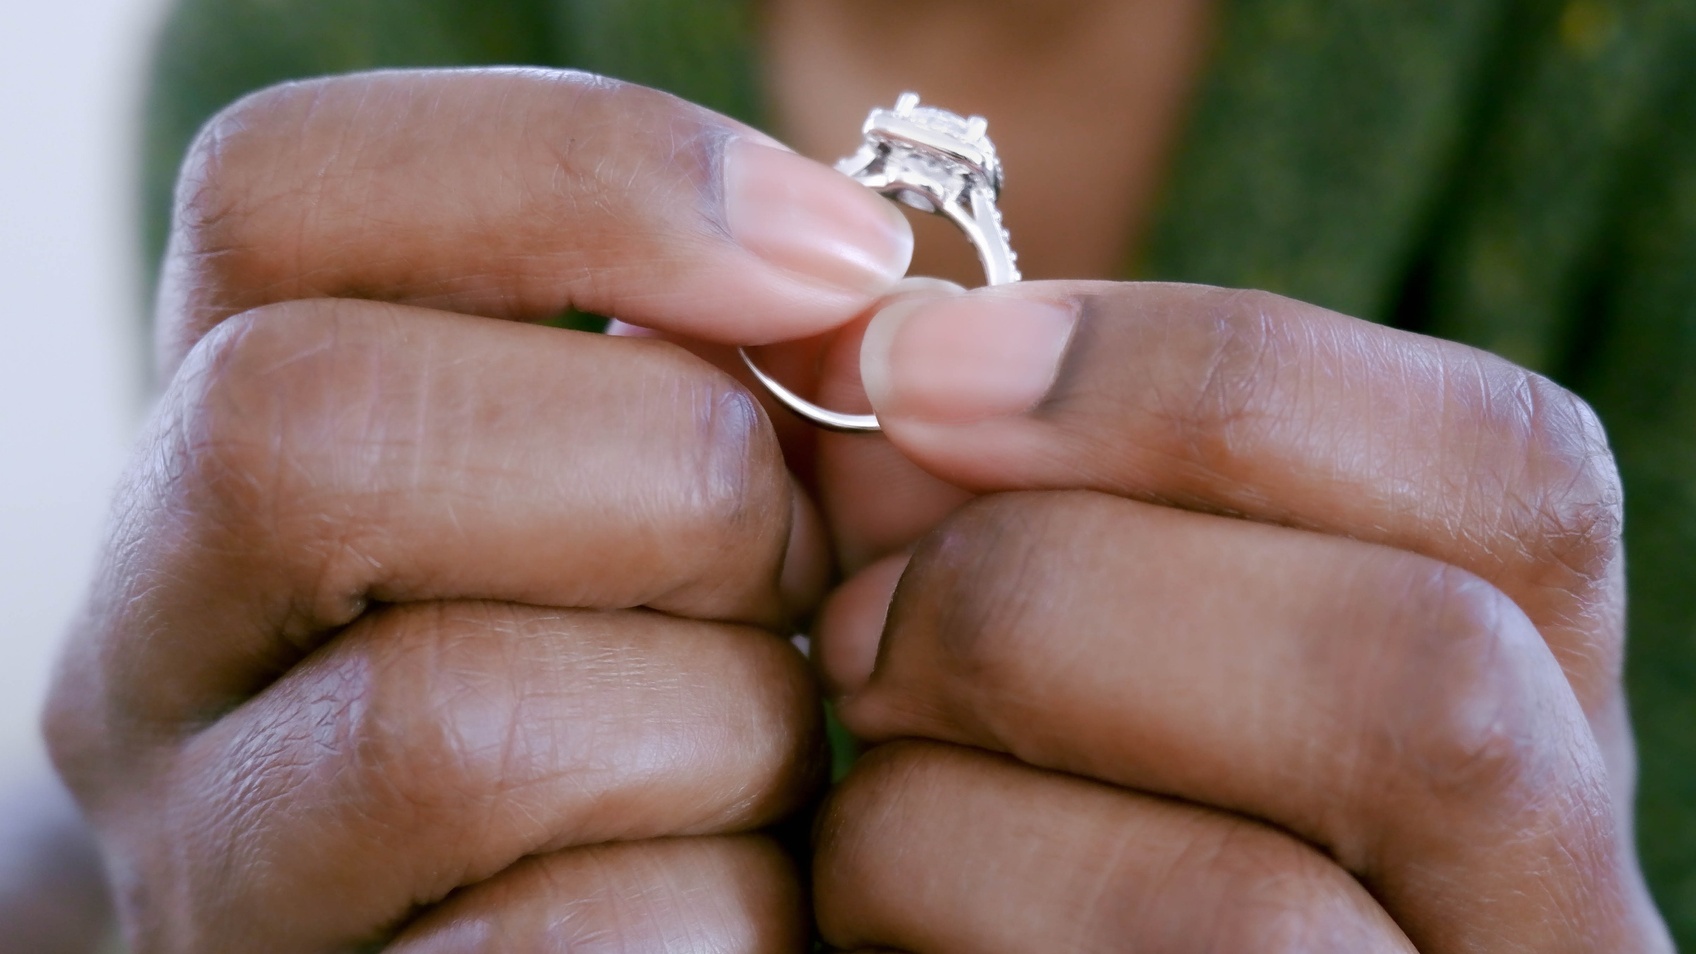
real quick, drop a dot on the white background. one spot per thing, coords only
(71, 354)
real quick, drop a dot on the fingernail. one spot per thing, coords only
(966, 358)
(812, 220)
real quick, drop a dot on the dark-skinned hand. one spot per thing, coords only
(425, 629)
(1267, 629)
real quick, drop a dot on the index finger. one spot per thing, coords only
(317, 457)
(518, 194)
(1249, 404)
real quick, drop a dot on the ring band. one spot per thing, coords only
(937, 162)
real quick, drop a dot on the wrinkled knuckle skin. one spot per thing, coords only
(1578, 506)
(225, 187)
(732, 505)
(350, 763)
(740, 482)
(229, 406)
(194, 852)
(202, 487)
(406, 769)
(257, 397)
(219, 464)
(1280, 898)
(1470, 705)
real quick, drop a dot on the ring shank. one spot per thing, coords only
(974, 213)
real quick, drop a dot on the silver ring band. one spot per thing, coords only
(934, 161)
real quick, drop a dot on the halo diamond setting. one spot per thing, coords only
(934, 161)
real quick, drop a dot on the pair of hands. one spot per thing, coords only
(1207, 620)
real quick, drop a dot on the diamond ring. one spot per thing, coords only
(935, 161)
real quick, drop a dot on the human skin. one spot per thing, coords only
(400, 594)
(1291, 631)
(1271, 629)
(1435, 526)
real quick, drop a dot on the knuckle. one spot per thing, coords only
(358, 752)
(726, 493)
(1470, 710)
(1577, 510)
(1284, 897)
(413, 765)
(243, 815)
(738, 465)
(375, 737)
(220, 185)
(98, 742)
(206, 485)
(256, 399)
(229, 406)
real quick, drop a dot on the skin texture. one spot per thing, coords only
(399, 595)
(1260, 628)
(1256, 557)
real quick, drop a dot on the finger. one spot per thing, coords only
(873, 498)
(1399, 713)
(684, 895)
(433, 745)
(1249, 404)
(319, 456)
(932, 848)
(517, 194)
(849, 628)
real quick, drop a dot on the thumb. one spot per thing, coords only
(874, 500)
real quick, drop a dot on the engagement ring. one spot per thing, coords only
(935, 161)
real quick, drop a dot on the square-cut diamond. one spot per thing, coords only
(947, 135)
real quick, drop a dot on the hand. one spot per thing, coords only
(1278, 631)
(404, 604)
